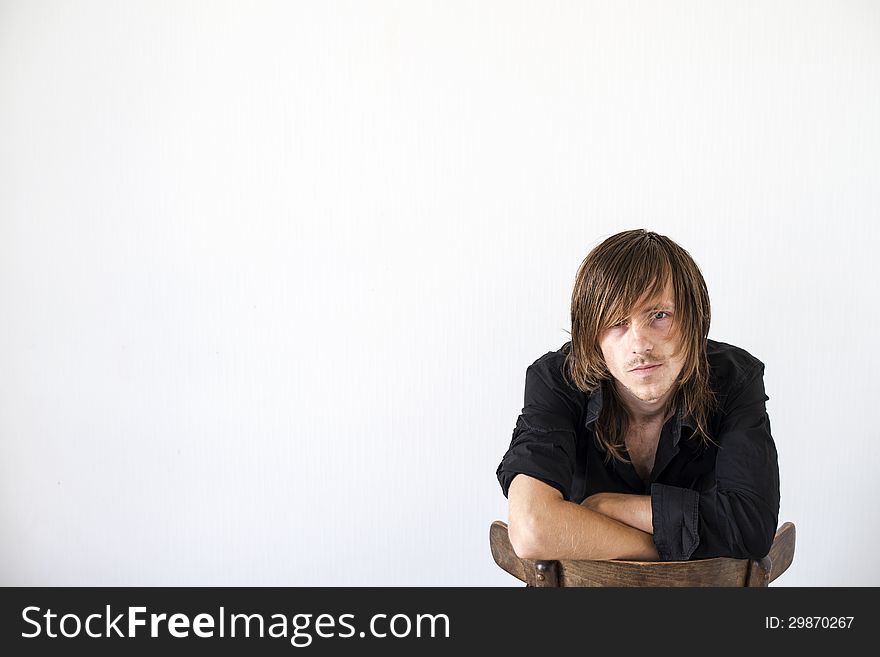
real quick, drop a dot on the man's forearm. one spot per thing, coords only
(571, 531)
(633, 510)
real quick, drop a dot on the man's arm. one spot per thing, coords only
(542, 525)
(736, 516)
(632, 510)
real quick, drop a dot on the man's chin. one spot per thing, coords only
(649, 396)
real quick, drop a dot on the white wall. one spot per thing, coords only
(271, 273)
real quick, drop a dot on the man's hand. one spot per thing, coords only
(632, 510)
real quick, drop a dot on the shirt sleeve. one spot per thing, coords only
(735, 516)
(544, 438)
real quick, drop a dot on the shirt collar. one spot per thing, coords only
(594, 407)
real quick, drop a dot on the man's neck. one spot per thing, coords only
(641, 412)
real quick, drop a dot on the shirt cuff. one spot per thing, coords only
(675, 516)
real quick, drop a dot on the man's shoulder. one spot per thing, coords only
(552, 369)
(553, 357)
(547, 381)
(552, 362)
(731, 365)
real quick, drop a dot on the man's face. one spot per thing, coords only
(646, 337)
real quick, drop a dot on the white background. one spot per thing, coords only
(271, 273)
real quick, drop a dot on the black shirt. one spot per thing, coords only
(706, 501)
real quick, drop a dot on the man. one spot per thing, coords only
(640, 438)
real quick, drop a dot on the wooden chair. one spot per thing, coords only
(720, 571)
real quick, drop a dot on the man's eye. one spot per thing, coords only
(661, 312)
(622, 322)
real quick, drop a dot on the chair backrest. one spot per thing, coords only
(720, 571)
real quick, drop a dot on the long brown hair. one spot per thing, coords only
(613, 277)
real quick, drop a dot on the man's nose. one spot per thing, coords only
(640, 338)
